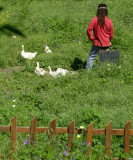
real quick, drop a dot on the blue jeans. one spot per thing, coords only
(93, 53)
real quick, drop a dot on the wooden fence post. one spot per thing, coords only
(52, 129)
(89, 137)
(71, 133)
(108, 138)
(33, 130)
(13, 135)
(89, 134)
(127, 138)
(108, 132)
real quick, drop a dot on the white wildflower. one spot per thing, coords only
(14, 37)
(82, 127)
(78, 136)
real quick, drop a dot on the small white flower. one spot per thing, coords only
(14, 37)
(109, 69)
(78, 136)
(119, 67)
(14, 100)
(82, 127)
(13, 106)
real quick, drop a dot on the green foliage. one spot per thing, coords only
(101, 95)
(60, 149)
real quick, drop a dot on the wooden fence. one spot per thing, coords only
(70, 130)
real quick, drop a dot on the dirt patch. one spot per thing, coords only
(10, 69)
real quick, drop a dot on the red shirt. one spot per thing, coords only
(102, 35)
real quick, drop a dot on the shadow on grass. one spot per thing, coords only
(78, 64)
(1, 8)
(8, 29)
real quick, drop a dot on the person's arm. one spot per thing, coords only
(111, 32)
(89, 30)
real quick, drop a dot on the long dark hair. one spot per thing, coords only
(101, 13)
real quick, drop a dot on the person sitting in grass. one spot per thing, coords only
(102, 28)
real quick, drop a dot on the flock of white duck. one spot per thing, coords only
(40, 71)
(30, 55)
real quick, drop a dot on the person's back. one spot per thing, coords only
(103, 33)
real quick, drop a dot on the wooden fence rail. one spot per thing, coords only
(70, 130)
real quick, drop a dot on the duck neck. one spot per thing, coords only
(50, 70)
(37, 65)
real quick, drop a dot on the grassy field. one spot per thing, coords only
(99, 96)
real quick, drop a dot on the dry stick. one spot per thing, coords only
(33, 130)
(13, 135)
(89, 138)
(108, 138)
(71, 134)
(127, 138)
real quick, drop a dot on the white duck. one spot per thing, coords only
(40, 71)
(62, 71)
(54, 73)
(27, 55)
(47, 50)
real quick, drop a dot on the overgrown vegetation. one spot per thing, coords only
(99, 96)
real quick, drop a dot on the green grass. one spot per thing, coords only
(99, 96)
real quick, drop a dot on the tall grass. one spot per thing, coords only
(99, 96)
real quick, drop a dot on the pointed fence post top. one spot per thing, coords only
(128, 124)
(52, 128)
(127, 137)
(13, 135)
(89, 134)
(90, 125)
(14, 118)
(71, 134)
(71, 127)
(72, 123)
(34, 119)
(109, 124)
(53, 122)
(108, 139)
(33, 130)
